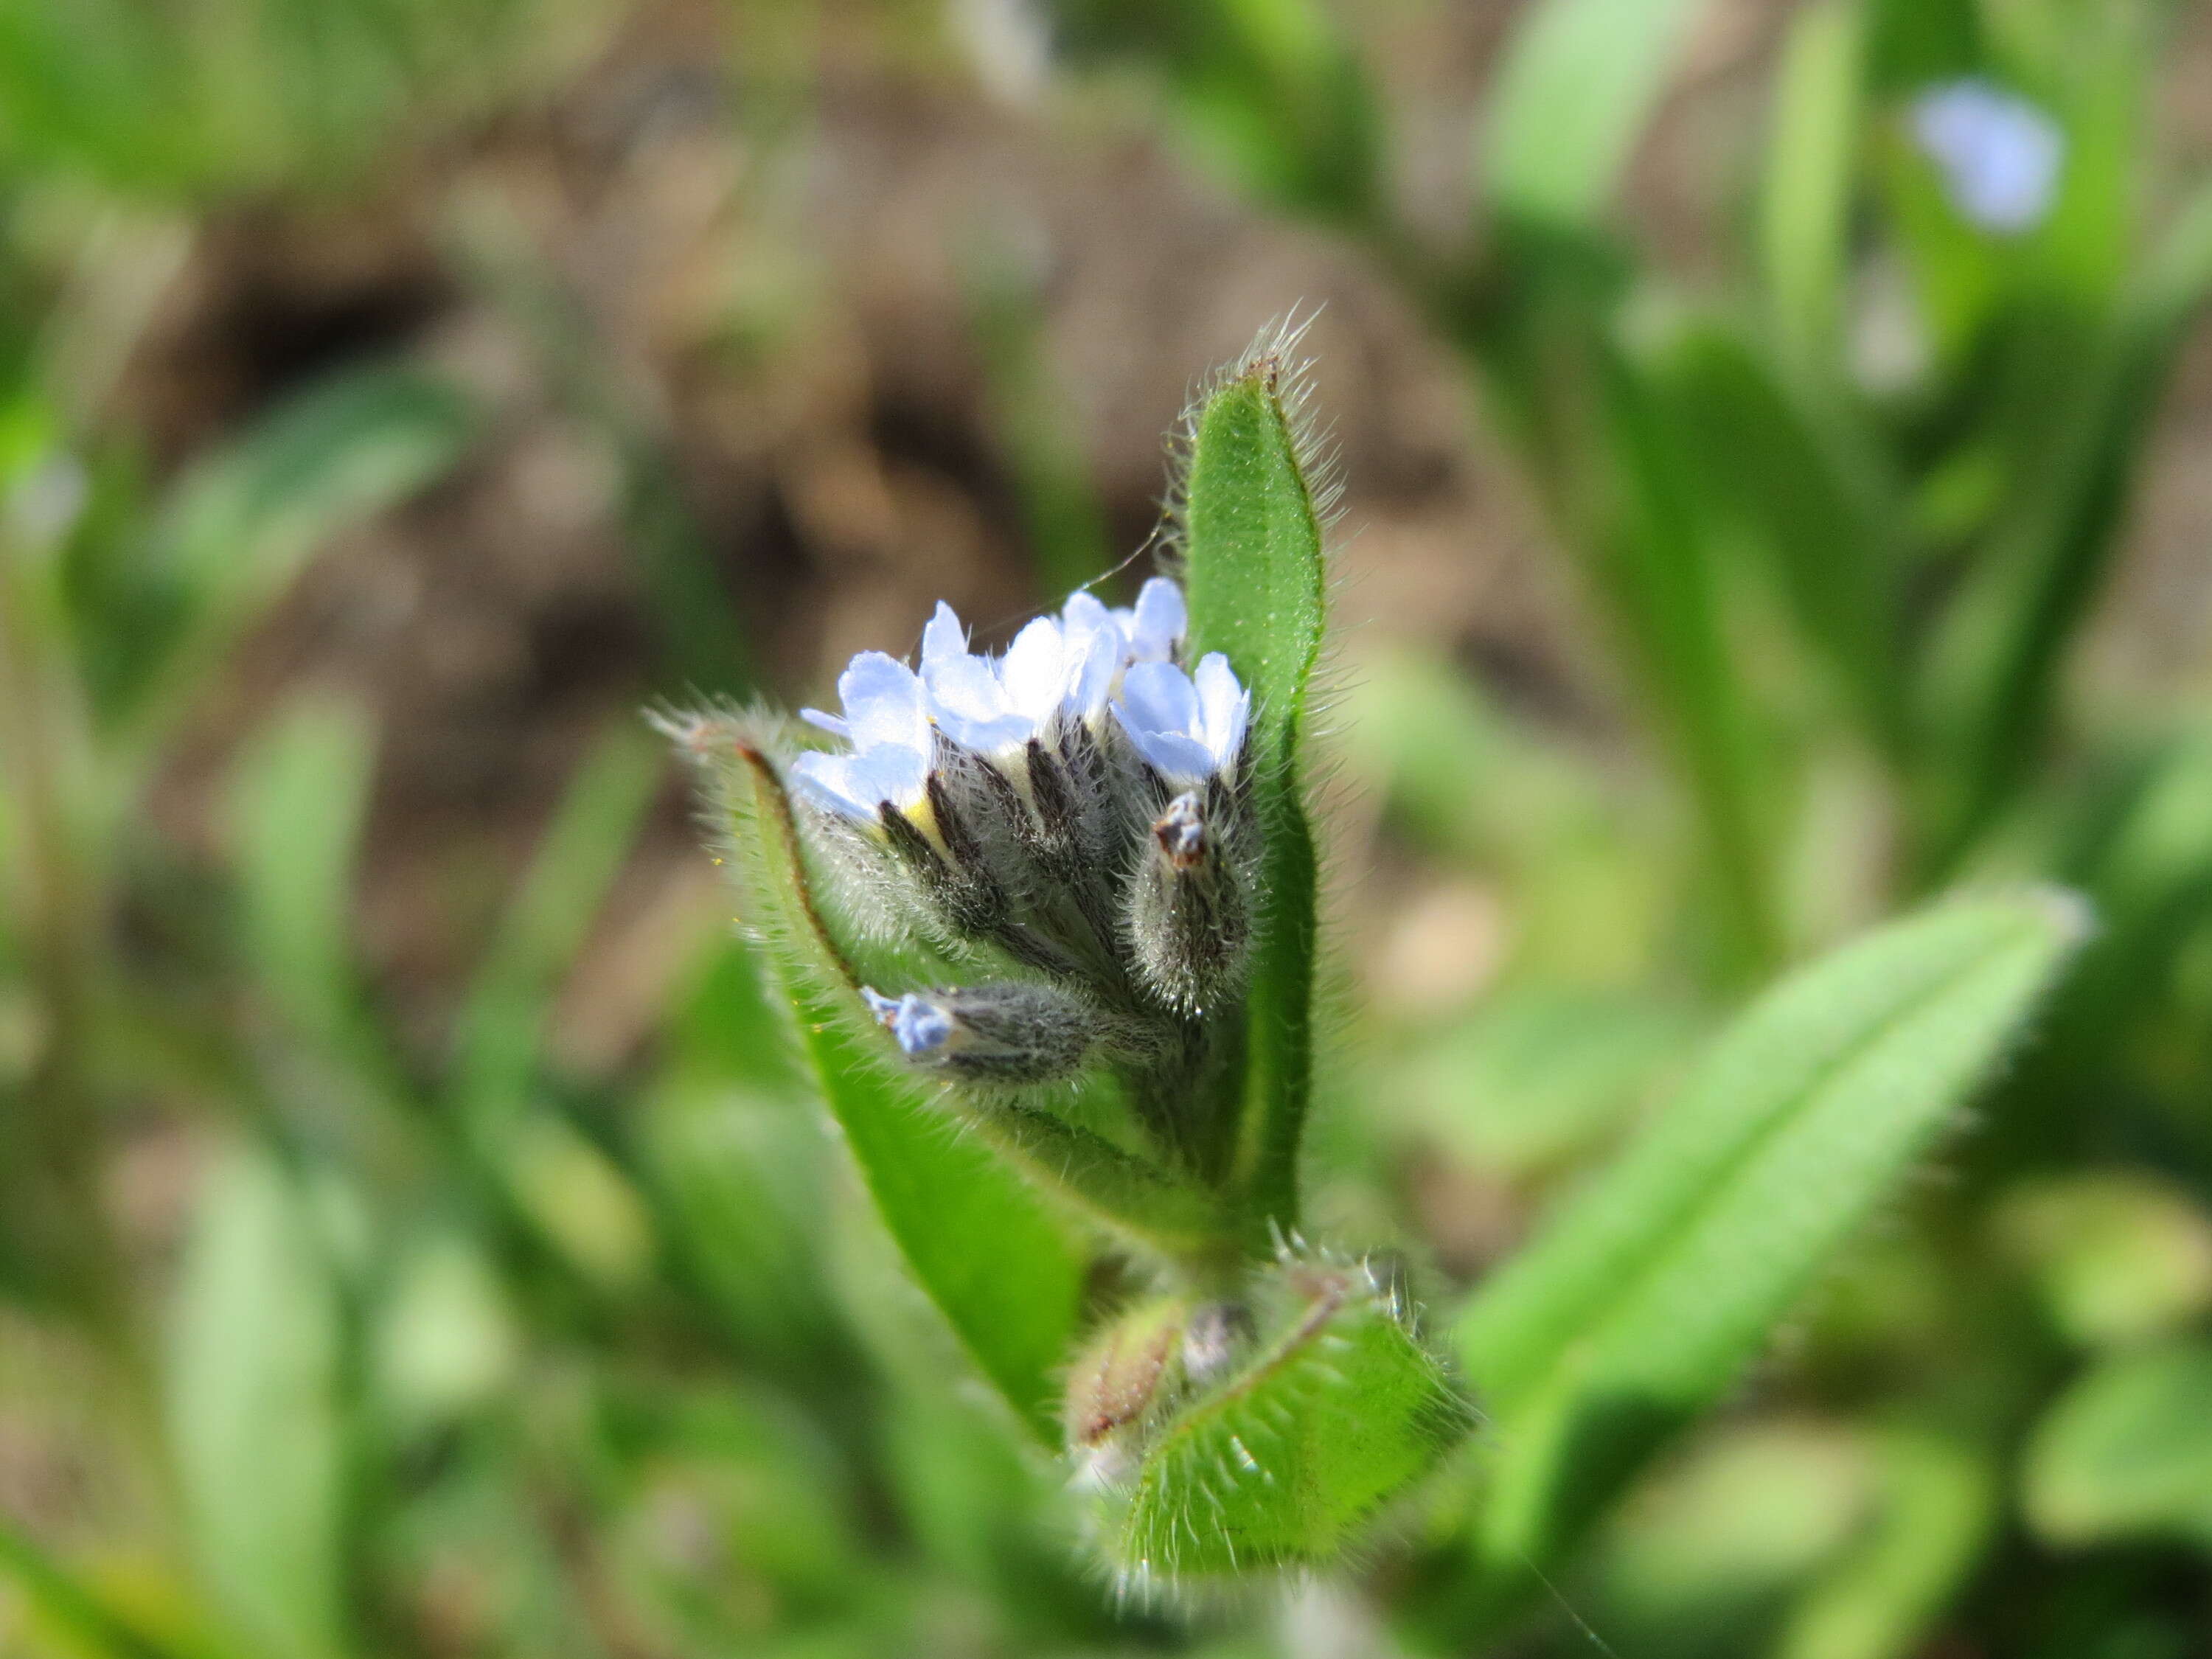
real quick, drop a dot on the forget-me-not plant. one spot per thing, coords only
(1046, 916)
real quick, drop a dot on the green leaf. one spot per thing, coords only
(1640, 1305)
(1625, 492)
(1783, 468)
(501, 1024)
(1938, 1501)
(2116, 1257)
(1337, 1410)
(1579, 81)
(1805, 203)
(980, 1241)
(58, 1600)
(255, 1414)
(1993, 672)
(2126, 1453)
(241, 525)
(1255, 586)
(1269, 91)
(298, 806)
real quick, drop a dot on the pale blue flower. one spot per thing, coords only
(1188, 725)
(1153, 628)
(1058, 667)
(921, 1027)
(886, 720)
(1999, 154)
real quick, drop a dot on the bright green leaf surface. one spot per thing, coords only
(254, 1411)
(1580, 79)
(1255, 587)
(1642, 1304)
(2127, 1452)
(980, 1241)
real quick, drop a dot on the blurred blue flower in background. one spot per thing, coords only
(1999, 154)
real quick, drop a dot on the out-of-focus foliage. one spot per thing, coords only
(455, 1343)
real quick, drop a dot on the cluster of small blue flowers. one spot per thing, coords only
(1077, 805)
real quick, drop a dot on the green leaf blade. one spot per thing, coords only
(255, 1411)
(1641, 1306)
(1580, 79)
(1254, 582)
(1806, 196)
(2126, 1453)
(997, 1263)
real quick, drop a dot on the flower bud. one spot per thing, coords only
(1189, 919)
(1010, 1032)
(1131, 1373)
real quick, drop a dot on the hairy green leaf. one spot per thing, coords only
(1641, 1304)
(255, 1414)
(1336, 1409)
(981, 1243)
(1253, 579)
(2127, 1451)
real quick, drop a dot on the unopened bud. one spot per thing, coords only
(1012, 1032)
(1189, 921)
(1131, 1373)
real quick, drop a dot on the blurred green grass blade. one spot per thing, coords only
(1578, 372)
(1814, 506)
(1993, 672)
(2088, 242)
(1805, 198)
(1269, 91)
(256, 1415)
(1640, 1305)
(1580, 79)
(1650, 557)
(1938, 1505)
(1257, 590)
(298, 805)
(242, 524)
(740, 1181)
(981, 1244)
(61, 1601)
(2126, 1452)
(501, 1025)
